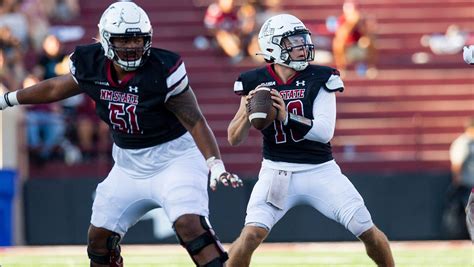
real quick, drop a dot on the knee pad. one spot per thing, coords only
(112, 258)
(196, 245)
(361, 221)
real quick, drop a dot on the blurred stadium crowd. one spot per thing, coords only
(33, 34)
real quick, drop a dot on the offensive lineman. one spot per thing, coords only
(160, 137)
(298, 166)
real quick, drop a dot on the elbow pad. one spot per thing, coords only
(299, 123)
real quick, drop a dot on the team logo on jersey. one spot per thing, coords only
(133, 89)
(272, 83)
(292, 94)
(300, 83)
(116, 96)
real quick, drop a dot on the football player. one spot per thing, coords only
(162, 141)
(468, 55)
(298, 166)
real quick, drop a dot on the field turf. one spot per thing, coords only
(413, 254)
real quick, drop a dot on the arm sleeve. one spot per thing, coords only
(324, 114)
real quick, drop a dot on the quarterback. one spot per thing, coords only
(298, 166)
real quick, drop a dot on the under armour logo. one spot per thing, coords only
(133, 89)
(300, 83)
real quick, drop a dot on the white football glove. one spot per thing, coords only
(3, 102)
(8, 100)
(468, 54)
(219, 174)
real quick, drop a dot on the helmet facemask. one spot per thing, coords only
(129, 58)
(297, 42)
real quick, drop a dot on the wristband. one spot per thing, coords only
(299, 123)
(215, 164)
(10, 98)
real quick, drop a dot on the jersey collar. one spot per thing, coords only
(272, 73)
(111, 80)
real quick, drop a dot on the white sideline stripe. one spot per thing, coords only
(257, 115)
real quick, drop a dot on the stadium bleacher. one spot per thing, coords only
(404, 119)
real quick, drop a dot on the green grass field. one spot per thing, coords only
(413, 254)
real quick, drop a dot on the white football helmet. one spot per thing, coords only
(281, 34)
(125, 19)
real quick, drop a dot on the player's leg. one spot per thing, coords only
(377, 247)
(181, 189)
(261, 217)
(470, 215)
(331, 193)
(196, 235)
(119, 203)
(242, 249)
(103, 248)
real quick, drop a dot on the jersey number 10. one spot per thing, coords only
(295, 107)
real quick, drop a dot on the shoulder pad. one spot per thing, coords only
(330, 77)
(169, 59)
(87, 62)
(247, 81)
(334, 83)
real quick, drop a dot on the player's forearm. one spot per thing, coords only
(205, 139)
(48, 91)
(321, 131)
(324, 114)
(238, 129)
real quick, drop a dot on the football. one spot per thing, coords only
(260, 109)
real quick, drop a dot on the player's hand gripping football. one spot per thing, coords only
(279, 104)
(218, 174)
(247, 101)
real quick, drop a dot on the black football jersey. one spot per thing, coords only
(279, 142)
(133, 109)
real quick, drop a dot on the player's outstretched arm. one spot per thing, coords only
(238, 128)
(186, 109)
(46, 91)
